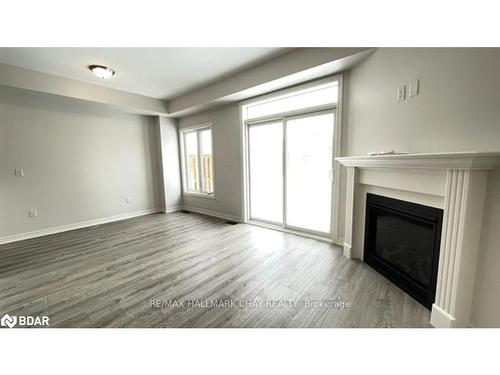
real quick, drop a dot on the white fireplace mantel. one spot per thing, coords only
(444, 160)
(457, 181)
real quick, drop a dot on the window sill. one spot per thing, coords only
(199, 195)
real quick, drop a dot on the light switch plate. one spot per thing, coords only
(413, 88)
(401, 93)
(32, 212)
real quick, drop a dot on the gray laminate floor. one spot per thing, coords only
(190, 270)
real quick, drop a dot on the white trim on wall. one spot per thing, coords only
(82, 224)
(244, 164)
(335, 229)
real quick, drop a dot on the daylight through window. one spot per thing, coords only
(198, 160)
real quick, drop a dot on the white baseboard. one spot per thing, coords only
(173, 209)
(441, 319)
(220, 215)
(339, 241)
(347, 250)
(82, 224)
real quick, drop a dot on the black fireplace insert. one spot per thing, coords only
(402, 242)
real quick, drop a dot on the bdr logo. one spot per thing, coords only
(8, 320)
(11, 321)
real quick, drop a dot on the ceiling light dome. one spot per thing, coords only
(101, 71)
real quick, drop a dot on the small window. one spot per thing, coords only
(198, 160)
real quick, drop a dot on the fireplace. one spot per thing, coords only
(453, 181)
(402, 241)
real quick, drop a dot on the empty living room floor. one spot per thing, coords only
(189, 270)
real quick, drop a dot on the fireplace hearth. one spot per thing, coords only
(402, 241)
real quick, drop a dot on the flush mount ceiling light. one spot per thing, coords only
(101, 71)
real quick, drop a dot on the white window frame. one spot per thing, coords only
(182, 135)
(337, 108)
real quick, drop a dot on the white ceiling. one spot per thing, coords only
(156, 72)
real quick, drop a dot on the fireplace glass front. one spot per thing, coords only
(402, 242)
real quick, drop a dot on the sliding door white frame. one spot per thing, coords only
(337, 151)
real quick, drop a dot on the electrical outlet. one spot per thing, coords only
(401, 93)
(413, 88)
(32, 212)
(19, 172)
(128, 199)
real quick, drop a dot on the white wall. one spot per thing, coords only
(170, 163)
(80, 160)
(458, 109)
(227, 161)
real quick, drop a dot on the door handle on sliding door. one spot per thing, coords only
(331, 175)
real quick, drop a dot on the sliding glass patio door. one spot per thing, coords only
(266, 172)
(290, 172)
(309, 160)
